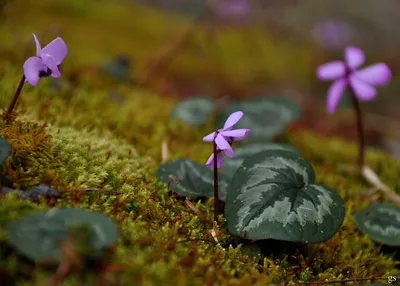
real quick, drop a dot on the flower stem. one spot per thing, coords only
(360, 131)
(216, 197)
(15, 98)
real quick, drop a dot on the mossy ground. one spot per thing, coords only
(76, 137)
(91, 141)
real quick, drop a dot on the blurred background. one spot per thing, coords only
(220, 48)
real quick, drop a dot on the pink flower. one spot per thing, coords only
(233, 8)
(225, 137)
(46, 61)
(333, 34)
(345, 74)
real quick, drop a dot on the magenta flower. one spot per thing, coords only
(224, 138)
(46, 61)
(44, 64)
(233, 8)
(362, 82)
(332, 34)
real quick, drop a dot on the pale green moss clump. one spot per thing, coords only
(89, 161)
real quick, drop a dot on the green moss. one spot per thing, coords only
(330, 156)
(30, 162)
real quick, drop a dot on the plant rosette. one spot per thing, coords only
(273, 195)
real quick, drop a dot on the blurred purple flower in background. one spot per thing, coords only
(233, 8)
(224, 138)
(46, 61)
(332, 34)
(361, 82)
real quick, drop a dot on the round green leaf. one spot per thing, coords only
(5, 149)
(241, 153)
(381, 222)
(191, 179)
(36, 235)
(194, 111)
(273, 195)
(104, 229)
(265, 116)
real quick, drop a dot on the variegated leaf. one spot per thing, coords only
(381, 222)
(265, 116)
(273, 195)
(194, 111)
(191, 179)
(241, 153)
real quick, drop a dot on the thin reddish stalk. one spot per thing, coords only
(15, 98)
(360, 131)
(216, 197)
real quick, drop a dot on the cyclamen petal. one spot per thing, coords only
(331, 71)
(38, 47)
(222, 144)
(335, 92)
(354, 57)
(209, 138)
(236, 133)
(229, 152)
(210, 161)
(50, 62)
(362, 90)
(56, 48)
(32, 68)
(378, 74)
(238, 138)
(233, 119)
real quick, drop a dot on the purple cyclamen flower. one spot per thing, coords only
(225, 137)
(46, 61)
(233, 8)
(332, 34)
(362, 82)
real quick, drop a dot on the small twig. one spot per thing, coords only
(214, 235)
(62, 271)
(164, 151)
(374, 180)
(196, 210)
